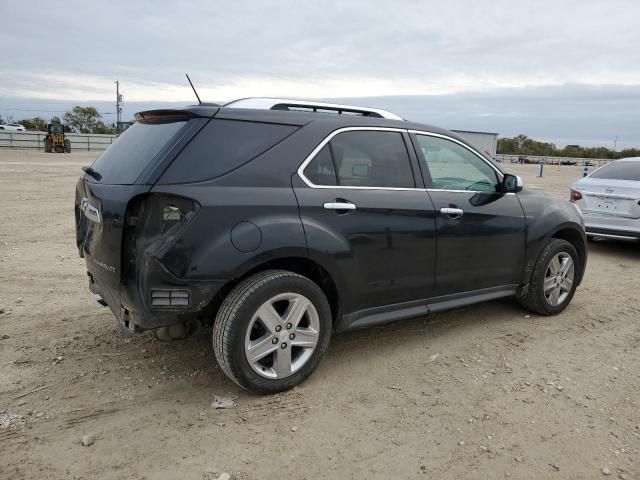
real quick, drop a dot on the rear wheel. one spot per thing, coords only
(48, 146)
(554, 279)
(67, 146)
(272, 331)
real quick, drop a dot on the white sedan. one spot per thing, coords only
(14, 127)
(610, 199)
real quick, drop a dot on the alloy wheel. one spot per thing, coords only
(282, 335)
(558, 279)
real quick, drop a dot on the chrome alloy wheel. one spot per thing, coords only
(558, 279)
(282, 335)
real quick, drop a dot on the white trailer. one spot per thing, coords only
(484, 141)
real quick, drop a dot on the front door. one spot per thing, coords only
(480, 230)
(364, 214)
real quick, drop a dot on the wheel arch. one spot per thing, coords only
(297, 264)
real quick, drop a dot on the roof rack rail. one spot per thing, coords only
(303, 105)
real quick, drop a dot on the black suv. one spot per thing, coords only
(282, 223)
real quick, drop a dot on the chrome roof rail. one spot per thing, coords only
(261, 103)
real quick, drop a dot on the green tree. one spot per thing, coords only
(83, 119)
(35, 123)
(104, 129)
(523, 145)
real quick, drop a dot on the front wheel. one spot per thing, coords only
(272, 331)
(554, 279)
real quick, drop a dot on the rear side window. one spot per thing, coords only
(222, 146)
(620, 170)
(363, 159)
(123, 162)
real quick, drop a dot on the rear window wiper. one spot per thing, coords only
(92, 172)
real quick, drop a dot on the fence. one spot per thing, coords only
(35, 140)
(551, 160)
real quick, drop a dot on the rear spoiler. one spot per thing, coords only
(167, 115)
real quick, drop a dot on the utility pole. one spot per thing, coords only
(118, 102)
(615, 143)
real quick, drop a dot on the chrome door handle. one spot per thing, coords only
(339, 206)
(452, 212)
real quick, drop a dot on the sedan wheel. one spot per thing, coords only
(558, 280)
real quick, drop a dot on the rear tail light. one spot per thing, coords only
(575, 196)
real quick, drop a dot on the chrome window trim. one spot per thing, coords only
(328, 138)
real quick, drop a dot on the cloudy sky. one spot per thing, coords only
(566, 71)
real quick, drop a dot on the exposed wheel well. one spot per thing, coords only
(574, 238)
(300, 265)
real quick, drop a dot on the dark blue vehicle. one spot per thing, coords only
(281, 221)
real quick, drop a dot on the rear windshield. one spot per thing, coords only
(123, 162)
(222, 146)
(620, 170)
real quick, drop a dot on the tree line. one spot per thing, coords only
(79, 119)
(523, 145)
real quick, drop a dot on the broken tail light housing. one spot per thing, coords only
(153, 223)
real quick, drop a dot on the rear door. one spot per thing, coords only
(480, 231)
(364, 213)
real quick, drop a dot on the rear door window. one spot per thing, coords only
(222, 146)
(123, 162)
(321, 170)
(363, 158)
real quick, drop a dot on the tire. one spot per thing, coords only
(48, 147)
(239, 327)
(539, 300)
(67, 146)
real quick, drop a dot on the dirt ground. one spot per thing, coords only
(484, 392)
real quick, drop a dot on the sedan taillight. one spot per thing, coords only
(575, 196)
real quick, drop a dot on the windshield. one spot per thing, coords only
(620, 170)
(123, 162)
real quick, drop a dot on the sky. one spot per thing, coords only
(564, 71)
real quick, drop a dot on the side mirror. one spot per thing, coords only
(512, 183)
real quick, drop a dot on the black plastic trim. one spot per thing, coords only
(416, 308)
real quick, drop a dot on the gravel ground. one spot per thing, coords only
(487, 391)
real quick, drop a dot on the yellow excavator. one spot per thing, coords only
(55, 140)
